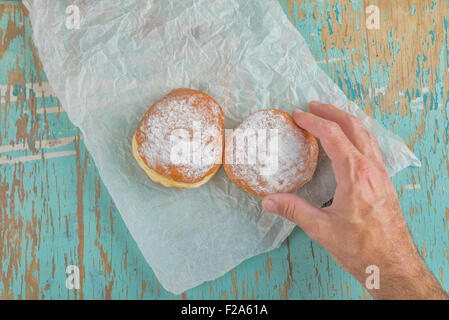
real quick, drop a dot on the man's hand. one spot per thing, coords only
(364, 225)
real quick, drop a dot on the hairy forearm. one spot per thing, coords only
(364, 229)
(412, 281)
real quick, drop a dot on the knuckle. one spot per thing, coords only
(289, 211)
(332, 128)
(372, 138)
(362, 166)
(354, 122)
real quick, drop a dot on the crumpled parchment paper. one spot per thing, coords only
(244, 53)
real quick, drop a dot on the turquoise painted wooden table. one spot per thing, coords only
(55, 211)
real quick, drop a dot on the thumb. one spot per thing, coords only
(295, 209)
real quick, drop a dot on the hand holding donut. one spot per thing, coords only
(364, 226)
(180, 142)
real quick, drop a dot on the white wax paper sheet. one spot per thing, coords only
(127, 54)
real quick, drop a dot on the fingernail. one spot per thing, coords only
(315, 104)
(269, 205)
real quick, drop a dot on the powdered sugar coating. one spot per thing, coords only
(297, 153)
(181, 136)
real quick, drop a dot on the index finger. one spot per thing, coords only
(352, 127)
(335, 143)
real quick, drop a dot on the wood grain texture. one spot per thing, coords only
(55, 211)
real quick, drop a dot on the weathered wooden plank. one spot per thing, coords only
(55, 212)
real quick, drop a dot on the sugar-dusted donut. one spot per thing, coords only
(179, 141)
(268, 153)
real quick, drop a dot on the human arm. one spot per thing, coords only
(365, 225)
